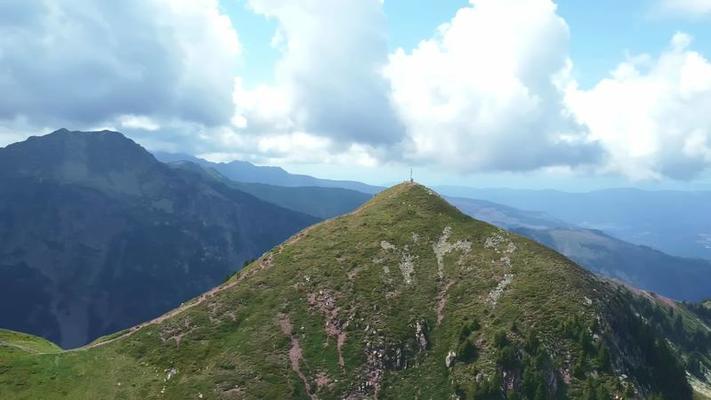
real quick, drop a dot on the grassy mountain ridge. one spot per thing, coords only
(16, 341)
(404, 298)
(643, 267)
(676, 277)
(673, 276)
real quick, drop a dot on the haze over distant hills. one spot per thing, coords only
(317, 201)
(243, 171)
(681, 278)
(675, 222)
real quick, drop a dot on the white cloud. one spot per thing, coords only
(491, 91)
(686, 7)
(138, 122)
(288, 148)
(652, 114)
(329, 73)
(329, 103)
(263, 110)
(485, 93)
(82, 63)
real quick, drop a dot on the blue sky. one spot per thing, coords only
(407, 26)
(603, 32)
(572, 95)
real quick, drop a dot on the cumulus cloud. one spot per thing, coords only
(487, 92)
(492, 90)
(652, 114)
(329, 76)
(291, 148)
(329, 102)
(263, 110)
(84, 63)
(686, 7)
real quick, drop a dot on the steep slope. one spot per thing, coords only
(643, 267)
(96, 235)
(320, 202)
(506, 217)
(15, 341)
(404, 298)
(676, 277)
(243, 171)
(675, 222)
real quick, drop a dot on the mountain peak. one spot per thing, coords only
(86, 135)
(60, 131)
(411, 199)
(75, 156)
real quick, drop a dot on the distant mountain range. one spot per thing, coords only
(675, 222)
(96, 235)
(320, 202)
(641, 266)
(243, 171)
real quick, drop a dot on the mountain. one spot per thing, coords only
(96, 235)
(676, 277)
(641, 266)
(243, 171)
(406, 297)
(506, 217)
(680, 278)
(675, 222)
(320, 202)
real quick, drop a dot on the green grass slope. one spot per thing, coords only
(24, 343)
(676, 277)
(404, 298)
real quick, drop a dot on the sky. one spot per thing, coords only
(569, 95)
